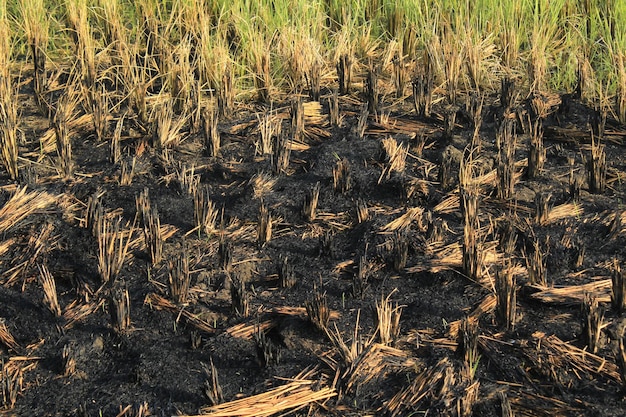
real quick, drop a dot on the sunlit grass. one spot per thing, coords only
(470, 44)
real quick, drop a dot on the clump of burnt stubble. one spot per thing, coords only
(618, 287)
(264, 225)
(344, 74)
(281, 153)
(119, 309)
(127, 171)
(327, 245)
(399, 75)
(212, 387)
(468, 345)
(225, 253)
(536, 263)
(115, 149)
(507, 237)
(506, 159)
(68, 360)
(362, 211)
(113, 247)
(360, 278)
(270, 126)
(297, 119)
(179, 277)
(204, 211)
(268, 353)
(313, 81)
(210, 131)
(151, 226)
(542, 207)
(371, 90)
(394, 156)
(400, 251)
(592, 323)
(226, 93)
(423, 87)
(317, 310)
(445, 177)
(597, 168)
(361, 125)
(506, 296)
(507, 89)
(333, 109)
(472, 250)
(311, 198)
(240, 299)
(575, 182)
(536, 150)
(342, 180)
(64, 113)
(286, 272)
(449, 121)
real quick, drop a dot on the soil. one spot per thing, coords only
(156, 366)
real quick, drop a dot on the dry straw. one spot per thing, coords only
(298, 393)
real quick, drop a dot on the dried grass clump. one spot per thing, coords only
(113, 248)
(7, 338)
(394, 156)
(387, 320)
(21, 205)
(50, 299)
(361, 124)
(68, 358)
(270, 127)
(473, 254)
(64, 114)
(300, 392)
(204, 211)
(9, 124)
(593, 317)
(211, 134)
(151, 227)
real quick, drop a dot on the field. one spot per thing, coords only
(312, 208)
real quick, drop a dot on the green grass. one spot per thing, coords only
(541, 42)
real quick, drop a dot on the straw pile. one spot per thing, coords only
(298, 393)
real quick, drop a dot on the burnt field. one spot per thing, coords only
(232, 210)
(366, 263)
